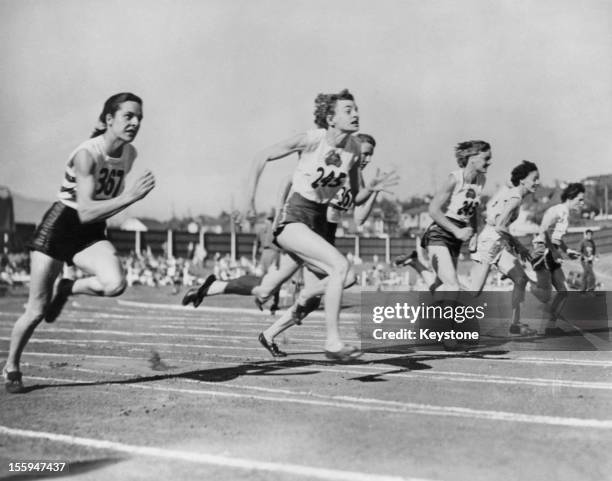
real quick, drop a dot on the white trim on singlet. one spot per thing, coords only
(120, 165)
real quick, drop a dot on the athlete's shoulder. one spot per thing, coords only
(91, 145)
(86, 151)
(94, 146)
(554, 212)
(514, 193)
(309, 140)
(455, 177)
(314, 135)
(557, 209)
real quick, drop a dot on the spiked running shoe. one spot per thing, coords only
(271, 346)
(196, 295)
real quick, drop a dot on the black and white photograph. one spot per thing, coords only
(247, 240)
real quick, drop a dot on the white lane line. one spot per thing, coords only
(226, 310)
(369, 404)
(454, 357)
(120, 358)
(307, 341)
(434, 376)
(310, 332)
(83, 315)
(88, 342)
(457, 376)
(207, 459)
(590, 362)
(531, 360)
(302, 340)
(227, 338)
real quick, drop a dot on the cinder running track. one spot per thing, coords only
(212, 404)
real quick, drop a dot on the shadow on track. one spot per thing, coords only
(405, 363)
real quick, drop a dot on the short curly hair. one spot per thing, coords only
(572, 191)
(325, 104)
(465, 150)
(521, 171)
(366, 138)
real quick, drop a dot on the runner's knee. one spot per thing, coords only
(340, 267)
(351, 278)
(113, 286)
(35, 314)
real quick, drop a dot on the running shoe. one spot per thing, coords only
(12, 382)
(63, 291)
(345, 354)
(271, 346)
(196, 295)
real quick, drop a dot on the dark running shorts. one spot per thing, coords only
(330, 236)
(313, 215)
(61, 234)
(299, 209)
(436, 235)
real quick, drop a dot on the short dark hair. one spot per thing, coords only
(521, 171)
(588, 231)
(465, 150)
(366, 138)
(111, 106)
(572, 191)
(325, 104)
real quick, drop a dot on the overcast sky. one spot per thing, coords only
(224, 79)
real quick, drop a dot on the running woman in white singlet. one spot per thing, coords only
(457, 224)
(73, 229)
(549, 250)
(328, 160)
(309, 297)
(263, 288)
(496, 246)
